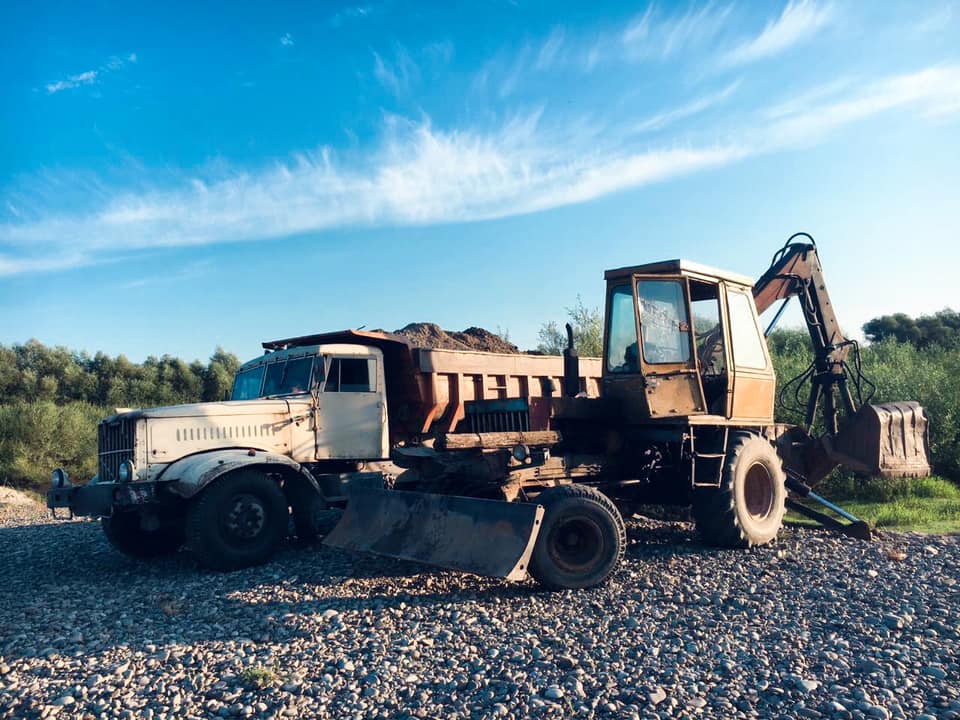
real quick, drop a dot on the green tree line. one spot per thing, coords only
(33, 371)
(51, 399)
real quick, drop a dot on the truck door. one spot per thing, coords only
(667, 358)
(352, 417)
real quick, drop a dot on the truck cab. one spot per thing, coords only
(347, 387)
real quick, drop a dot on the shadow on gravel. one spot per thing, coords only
(64, 590)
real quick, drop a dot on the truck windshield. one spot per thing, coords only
(246, 386)
(288, 377)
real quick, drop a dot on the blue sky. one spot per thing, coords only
(173, 179)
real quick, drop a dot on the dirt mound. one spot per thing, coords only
(9, 496)
(473, 338)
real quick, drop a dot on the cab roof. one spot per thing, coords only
(677, 267)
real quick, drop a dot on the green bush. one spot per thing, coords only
(36, 437)
(899, 371)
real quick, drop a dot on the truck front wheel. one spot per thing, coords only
(581, 541)
(237, 521)
(125, 533)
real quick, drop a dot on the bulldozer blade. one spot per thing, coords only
(485, 537)
(888, 440)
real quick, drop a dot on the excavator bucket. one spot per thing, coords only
(485, 537)
(888, 440)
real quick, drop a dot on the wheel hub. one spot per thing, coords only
(246, 517)
(575, 543)
(758, 491)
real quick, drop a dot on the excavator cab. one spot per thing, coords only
(684, 340)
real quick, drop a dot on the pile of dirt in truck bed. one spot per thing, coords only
(473, 338)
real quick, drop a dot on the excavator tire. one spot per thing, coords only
(124, 533)
(748, 507)
(581, 541)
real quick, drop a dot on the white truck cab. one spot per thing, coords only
(345, 387)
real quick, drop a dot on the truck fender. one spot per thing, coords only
(188, 476)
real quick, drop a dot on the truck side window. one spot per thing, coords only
(664, 322)
(348, 375)
(622, 355)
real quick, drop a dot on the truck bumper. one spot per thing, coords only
(99, 499)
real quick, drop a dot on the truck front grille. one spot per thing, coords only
(115, 441)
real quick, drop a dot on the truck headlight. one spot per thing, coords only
(59, 478)
(127, 471)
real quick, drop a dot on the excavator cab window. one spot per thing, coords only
(622, 353)
(664, 323)
(745, 334)
(708, 334)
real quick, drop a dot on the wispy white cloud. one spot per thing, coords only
(551, 46)
(798, 22)
(85, 78)
(90, 77)
(935, 90)
(694, 107)
(420, 174)
(660, 36)
(286, 40)
(802, 101)
(357, 12)
(396, 75)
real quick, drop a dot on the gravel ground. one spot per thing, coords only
(814, 625)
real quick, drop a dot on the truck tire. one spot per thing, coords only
(311, 517)
(124, 533)
(581, 541)
(748, 507)
(237, 521)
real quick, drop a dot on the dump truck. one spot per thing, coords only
(307, 420)
(514, 465)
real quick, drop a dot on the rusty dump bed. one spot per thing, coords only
(429, 390)
(889, 440)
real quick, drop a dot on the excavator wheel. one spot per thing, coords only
(748, 507)
(581, 541)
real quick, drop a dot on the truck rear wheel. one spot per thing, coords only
(748, 507)
(237, 521)
(581, 541)
(125, 533)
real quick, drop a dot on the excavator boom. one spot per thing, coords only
(890, 439)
